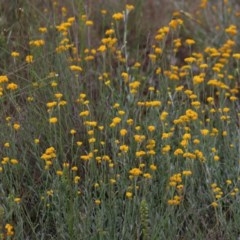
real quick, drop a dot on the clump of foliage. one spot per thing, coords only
(109, 133)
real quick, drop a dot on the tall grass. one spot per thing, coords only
(111, 129)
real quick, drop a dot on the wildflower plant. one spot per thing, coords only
(108, 134)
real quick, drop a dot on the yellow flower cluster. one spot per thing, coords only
(48, 156)
(37, 43)
(154, 103)
(9, 229)
(189, 115)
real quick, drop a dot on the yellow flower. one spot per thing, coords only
(135, 172)
(73, 131)
(124, 148)
(9, 229)
(137, 65)
(199, 154)
(75, 68)
(166, 135)
(49, 154)
(112, 181)
(154, 103)
(189, 42)
(158, 50)
(229, 182)
(172, 184)
(89, 23)
(92, 140)
(203, 65)
(214, 204)
(178, 151)
(16, 126)
(189, 59)
(66, 165)
(90, 132)
(129, 7)
(166, 149)
(129, 194)
(224, 133)
(37, 43)
(6, 145)
(12, 86)
(125, 76)
(90, 123)
(232, 30)
(191, 114)
(30, 99)
(151, 128)
(134, 85)
(51, 104)
(130, 121)
(53, 120)
(58, 95)
(86, 157)
(97, 201)
(115, 121)
(204, 132)
(174, 23)
(147, 175)
(111, 165)
(59, 173)
(163, 115)
(158, 71)
(71, 19)
(153, 167)
(79, 143)
(152, 57)
(187, 172)
(175, 201)
(15, 54)
(179, 88)
(17, 200)
(5, 160)
(109, 31)
(184, 143)
(186, 136)
(103, 11)
(84, 113)
(74, 168)
(139, 138)
(14, 161)
(236, 55)
(50, 192)
(76, 179)
(121, 112)
(102, 48)
(29, 58)
(189, 155)
(203, 3)
(3, 78)
(123, 132)
(197, 79)
(100, 128)
(42, 29)
(54, 84)
(117, 16)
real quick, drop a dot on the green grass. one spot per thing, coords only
(128, 133)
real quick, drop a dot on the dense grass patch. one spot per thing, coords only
(113, 127)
